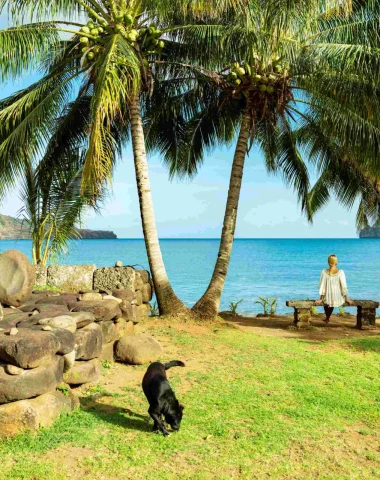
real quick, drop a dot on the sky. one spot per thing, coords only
(195, 209)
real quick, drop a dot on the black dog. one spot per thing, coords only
(161, 398)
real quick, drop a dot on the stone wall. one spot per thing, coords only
(56, 341)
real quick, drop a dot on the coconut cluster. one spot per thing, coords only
(255, 76)
(147, 40)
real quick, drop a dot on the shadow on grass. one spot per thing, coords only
(123, 417)
(371, 344)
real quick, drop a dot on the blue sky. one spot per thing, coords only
(184, 209)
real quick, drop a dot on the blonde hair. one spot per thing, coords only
(332, 260)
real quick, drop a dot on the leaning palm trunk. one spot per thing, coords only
(208, 305)
(168, 302)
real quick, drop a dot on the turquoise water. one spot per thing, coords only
(282, 268)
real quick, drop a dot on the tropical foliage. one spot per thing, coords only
(53, 202)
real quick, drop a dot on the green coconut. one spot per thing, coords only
(118, 28)
(128, 19)
(90, 25)
(85, 30)
(241, 71)
(264, 80)
(84, 40)
(272, 78)
(270, 89)
(90, 55)
(236, 65)
(84, 50)
(237, 81)
(97, 49)
(100, 29)
(257, 77)
(263, 88)
(94, 32)
(161, 44)
(151, 30)
(119, 18)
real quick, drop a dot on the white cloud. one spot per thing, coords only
(343, 222)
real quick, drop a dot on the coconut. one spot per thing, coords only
(263, 88)
(257, 77)
(161, 44)
(84, 40)
(236, 65)
(237, 81)
(128, 19)
(151, 30)
(95, 32)
(118, 28)
(119, 18)
(97, 49)
(84, 50)
(85, 30)
(233, 75)
(272, 78)
(270, 89)
(90, 55)
(100, 29)
(264, 80)
(241, 71)
(90, 25)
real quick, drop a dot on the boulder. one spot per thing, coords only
(107, 353)
(140, 312)
(29, 348)
(138, 299)
(83, 372)
(138, 350)
(65, 299)
(30, 383)
(109, 277)
(69, 359)
(138, 281)
(89, 342)
(91, 296)
(83, 318)
(109, 331)
(66, 340)
(71, 278)
(63, 321)
(41, 275)
(17, 278)
(103, 309)
(50, 309)
(29, 415)
(111, 297)
(124, 328)
(145, 276)
(12, 370)
(124, 294)
(127, 310)
(147, 293)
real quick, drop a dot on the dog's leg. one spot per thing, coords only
(158, 423)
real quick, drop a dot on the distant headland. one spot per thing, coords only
(14, 229)
(370, 232)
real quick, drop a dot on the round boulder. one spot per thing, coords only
(17, 278)
(138, 349)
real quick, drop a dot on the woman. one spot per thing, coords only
(332, 288)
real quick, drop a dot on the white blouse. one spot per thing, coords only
(333, 287)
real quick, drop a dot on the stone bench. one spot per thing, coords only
(366, 311)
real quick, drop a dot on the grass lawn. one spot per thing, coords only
(256, 407)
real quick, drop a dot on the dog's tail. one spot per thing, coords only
(174, 363)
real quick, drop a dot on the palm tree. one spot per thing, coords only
(94, 82)
(53, 202)
(286, 65)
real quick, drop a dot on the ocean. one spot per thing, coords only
(281, 268)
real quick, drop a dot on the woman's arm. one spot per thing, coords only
(343, 287)
(322, 289)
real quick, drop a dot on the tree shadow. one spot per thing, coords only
(120, 416)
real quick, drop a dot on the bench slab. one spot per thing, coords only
(311, 303)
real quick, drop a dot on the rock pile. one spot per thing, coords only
(50, 342)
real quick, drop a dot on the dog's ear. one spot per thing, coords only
(181, 407)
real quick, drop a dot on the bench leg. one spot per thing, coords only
(365, 316)
(302, 316)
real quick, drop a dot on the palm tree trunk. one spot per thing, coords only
(168, 302)
(208, 305)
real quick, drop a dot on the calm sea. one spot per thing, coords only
(282, 268)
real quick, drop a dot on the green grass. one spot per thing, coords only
(255, 407)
